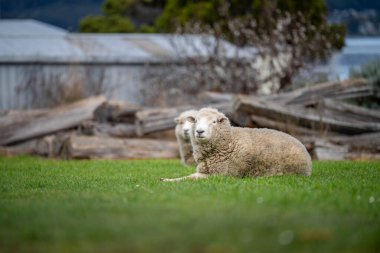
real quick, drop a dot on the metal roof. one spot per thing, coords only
(17, 27)
(29, 41)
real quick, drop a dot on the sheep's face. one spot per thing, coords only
(206, 125)
(183, 128)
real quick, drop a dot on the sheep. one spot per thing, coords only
(220, 149)
(182, 132)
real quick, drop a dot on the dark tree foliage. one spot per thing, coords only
(371, 72)
(265, 12)
(295, 30)
(107, 24)
(124, 16)
(166, 15)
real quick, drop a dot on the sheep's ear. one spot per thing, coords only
(222, 118)
(176, 120)
(191, 119)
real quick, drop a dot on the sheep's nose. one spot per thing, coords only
(200, 131)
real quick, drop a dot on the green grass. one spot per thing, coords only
(121, 206)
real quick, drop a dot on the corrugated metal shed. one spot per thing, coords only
(35, 57)
(38, 42)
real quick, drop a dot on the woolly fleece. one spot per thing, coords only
(184, 143)
(241, 152)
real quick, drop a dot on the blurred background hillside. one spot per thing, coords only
(62, 13)
(360, 17)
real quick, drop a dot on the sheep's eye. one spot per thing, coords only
(214, 121)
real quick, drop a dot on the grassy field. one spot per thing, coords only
(121, 206)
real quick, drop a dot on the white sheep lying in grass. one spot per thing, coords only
(182, 132)
(220, 149)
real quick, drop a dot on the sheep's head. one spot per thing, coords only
(207, 124)
(184, 126)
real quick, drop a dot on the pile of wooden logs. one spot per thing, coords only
(95, 128)
(329, 128)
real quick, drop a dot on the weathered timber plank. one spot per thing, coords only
(362, 156)
(323, 150)
(24, 148)
(327, 151)
(287, 127)
(13, 117)
(306, 117)
(153, 120)
(361, 142)
(241, 119)
(54, 120)
(210, 97)
(312, 94)
(40, 146)
(115, 111)
(96, 147)
(349, 111)
(121, 130)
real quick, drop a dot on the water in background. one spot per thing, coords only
(358, 51)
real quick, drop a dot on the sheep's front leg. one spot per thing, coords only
(194, 176)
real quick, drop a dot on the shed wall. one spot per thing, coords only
(41, 85)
